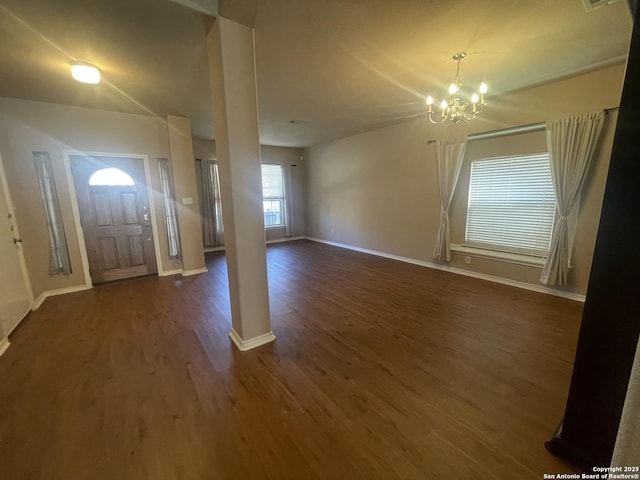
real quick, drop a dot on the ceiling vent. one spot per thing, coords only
(591, 5)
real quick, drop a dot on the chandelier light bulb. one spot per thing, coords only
(483, 88)
(444, 105)
(475, 98)
(429, 100)
(453, 88)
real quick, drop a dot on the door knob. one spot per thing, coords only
(17, 240)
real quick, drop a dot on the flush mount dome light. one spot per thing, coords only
(85, 72)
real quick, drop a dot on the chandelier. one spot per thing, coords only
(455, 110)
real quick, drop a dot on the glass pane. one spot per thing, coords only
(59, 263)
(272, 212)
(111, 177)
(171, 221)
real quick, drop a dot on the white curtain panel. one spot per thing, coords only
(627, 450)
(571, 143)
(288, 200)
(449, 158)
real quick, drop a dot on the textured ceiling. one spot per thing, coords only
(336, 67)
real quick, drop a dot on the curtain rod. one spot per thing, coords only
(531, 127)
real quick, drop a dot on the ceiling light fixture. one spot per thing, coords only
(454, 110)
(85, 72)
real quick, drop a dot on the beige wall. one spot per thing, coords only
(204, 149)
(185, 187)
(289, 158)
(27, 126)
(378, 190)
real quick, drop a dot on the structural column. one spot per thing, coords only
(234, 96)
(184, 182)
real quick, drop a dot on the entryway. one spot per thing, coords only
(113, 203)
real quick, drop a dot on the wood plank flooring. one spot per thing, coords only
(380, 370)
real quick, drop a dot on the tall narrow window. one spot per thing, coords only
(59, 263)
(511, 204)
(170, 218)
(273, 196)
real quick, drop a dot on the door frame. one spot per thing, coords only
(16, 234)
(67, 154)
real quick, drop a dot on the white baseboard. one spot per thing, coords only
(4, 344)
(167, 273)
(275, 240)
(195, 271)
(59, 291)
(244, 345)
(285, 239)
(460, 271)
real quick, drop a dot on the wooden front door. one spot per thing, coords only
(116, 221)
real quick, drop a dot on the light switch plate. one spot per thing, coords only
(187, 200)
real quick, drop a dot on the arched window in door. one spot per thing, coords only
(111, 177)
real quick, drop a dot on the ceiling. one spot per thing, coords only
(334, 67)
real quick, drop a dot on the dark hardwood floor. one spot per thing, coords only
(380, 370)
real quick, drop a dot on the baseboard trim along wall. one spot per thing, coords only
(4, 344)
(244, 345)
(275, 240)
(482, 276)
(167, 273)
(59, 291)
(285, 239)
(195, 271)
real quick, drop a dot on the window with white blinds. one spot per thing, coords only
(273, 195)
(511, 204)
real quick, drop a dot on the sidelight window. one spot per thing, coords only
(170, 218)
(59, 263)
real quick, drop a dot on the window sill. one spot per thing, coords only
(273, 227)
(518, 259)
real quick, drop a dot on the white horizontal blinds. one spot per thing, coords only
(272, 181)
(511, 204)
(170, 218)
(272, 195)
(59, 263)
